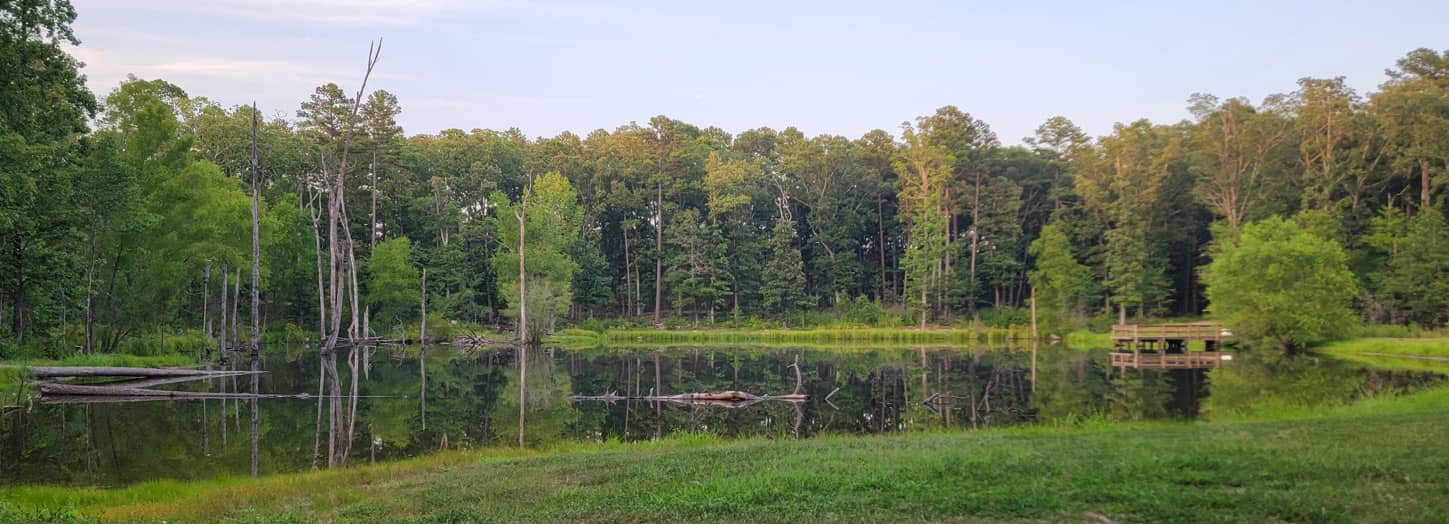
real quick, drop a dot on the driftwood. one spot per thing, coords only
(107, 371)
(724, 399)
(371, 342)
(119, 399)
(480, 343)
(48, 388)
(161, 381)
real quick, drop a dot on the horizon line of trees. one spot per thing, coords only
(119, 231)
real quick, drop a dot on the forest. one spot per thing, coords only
(127, 216)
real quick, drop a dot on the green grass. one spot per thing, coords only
(1437, 348)
(13, 374)
(1396, 331)
(1363, 463)
(1086, 339)
(794, 337)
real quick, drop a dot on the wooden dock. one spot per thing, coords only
(1165, 346)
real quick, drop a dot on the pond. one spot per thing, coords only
(412, 402)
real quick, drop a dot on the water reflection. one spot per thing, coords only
(402, 402)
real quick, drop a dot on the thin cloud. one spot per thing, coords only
(362, 13)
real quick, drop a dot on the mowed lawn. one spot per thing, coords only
(1377, 461)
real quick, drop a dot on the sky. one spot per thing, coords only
(837, 67)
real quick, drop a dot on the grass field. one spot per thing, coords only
(1437, 348)
(1362, 463)
(875, 337)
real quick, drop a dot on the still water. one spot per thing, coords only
(411, 402)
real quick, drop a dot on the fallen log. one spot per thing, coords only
(478, 343)
(110, 371)
(371, 342)
(726, 399)
(109, 399)
(161, 381)
(49, 388)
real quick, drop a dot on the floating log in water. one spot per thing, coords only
(479, 342)
(726, 399)
(371, 342)
(161, 381)
(49, 388)
(110, 371)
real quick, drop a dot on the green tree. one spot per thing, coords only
(551, 219)
(1277, 283)
(737, 202)
(1325, 111)
(784, 282)
(392, 284)
(1416, 278)
(1061, 283)
(1412, 108)
(925, 167)
(1126, 184)
(1240, 155)
(44, 107)
(695, 271)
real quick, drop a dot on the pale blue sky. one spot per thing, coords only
(826, 67)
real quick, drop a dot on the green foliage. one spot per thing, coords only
(117, 226)
(1276, 282)
(393, 282)
(1061, 283)
(551, 219)
(1415, 280)
(695, 269)
(784, 279)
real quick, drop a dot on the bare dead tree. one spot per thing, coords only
(235, 298)
(336, 207)
(522, 214)
(315, 212)
(256, 283)
(221, 335)
(341, 257)
(205, 314)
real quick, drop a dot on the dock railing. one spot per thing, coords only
(1193, 360)
(1188, 331)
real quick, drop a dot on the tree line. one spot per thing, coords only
(120, 215)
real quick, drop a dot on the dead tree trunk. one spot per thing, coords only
(256, 284)
(205, 314)
(316, 214)
(658, 253)
(336, 199)
(522, 215)
(235, 297)
(221, 332)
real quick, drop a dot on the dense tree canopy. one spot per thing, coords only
(109, 233)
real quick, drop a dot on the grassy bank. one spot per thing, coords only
(784, 337)
(1361, 463)
(1437, 348)
(1405, 354)
(13, 374)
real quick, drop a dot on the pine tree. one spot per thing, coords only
(1061, 283)
(696, 262)
(784, 281)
